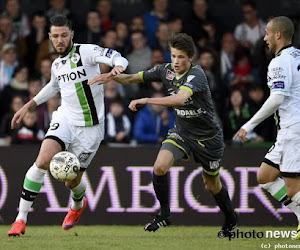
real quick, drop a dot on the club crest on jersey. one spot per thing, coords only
(75, 58)
(170, 75)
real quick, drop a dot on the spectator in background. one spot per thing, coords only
(20, 21)
(8, 64)
(152, 123)
(58, 7)
(251, 29)
(136, 23)
(45, 70)
(192, 23)
(5, 126)
(153, 18)
(226, 58)
(34, 87)
(112, 91)
(244, 74)
(122, 37)
(2, 41)
(256, 98)
(237, 114)
(92, 32)
(118, 126)
(138, 60)
(157, 57)
(175, 24)
(206, 61)
(104, 9)
(45, 49)
(109, 40)
(162, 35)
(27, 46)
(17, 86)
(44, 113)
(7, 29)
(27, 132)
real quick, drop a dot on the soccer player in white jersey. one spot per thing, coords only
(77, 125)
(283, 158)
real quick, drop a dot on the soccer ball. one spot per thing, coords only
(64, 166)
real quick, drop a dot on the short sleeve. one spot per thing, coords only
(153, 74)
(195, 81)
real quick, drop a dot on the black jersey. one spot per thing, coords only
(196, 116)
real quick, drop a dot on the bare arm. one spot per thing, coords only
(170, 101)
(19, 115)
(120, 78)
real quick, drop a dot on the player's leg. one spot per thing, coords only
(33, 183)
(209, 153)
(165, 159)
(85, 143)
(219, 192)
(268, 176)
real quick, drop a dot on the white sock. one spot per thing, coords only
(278, 191)
(31, 187)
(77, 195)
(296, 198)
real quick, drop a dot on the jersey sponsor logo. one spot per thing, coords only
(277, 73)
(75, 58)
(190, 113)
(84, 156)
(191, 86)
(75, 75)
(295, 53)
(278, 85)
(109, 53)
(190, 78)
(101, 50)
(170, 75)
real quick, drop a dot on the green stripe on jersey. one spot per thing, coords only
(84, 105)
(73, 65)
(31, 185)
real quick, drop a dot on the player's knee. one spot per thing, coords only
(160, 168)
(42, 162)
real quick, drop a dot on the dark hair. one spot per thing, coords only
(59, 21)
(250, 3)
(184, 42)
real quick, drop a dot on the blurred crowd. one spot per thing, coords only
(235, 62)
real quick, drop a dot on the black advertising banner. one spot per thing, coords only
(119, 189)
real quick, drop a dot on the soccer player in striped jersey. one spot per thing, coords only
(77, 125)
(282, 159)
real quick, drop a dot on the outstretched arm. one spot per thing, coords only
(269, 107)
(120, 78)
(169, 101)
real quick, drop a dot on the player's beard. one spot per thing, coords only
(66, 51)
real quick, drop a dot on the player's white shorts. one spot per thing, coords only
(81, 141)
(286, 151)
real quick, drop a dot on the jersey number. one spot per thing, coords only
(54, 126)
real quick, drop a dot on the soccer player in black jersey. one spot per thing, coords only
(196, 129)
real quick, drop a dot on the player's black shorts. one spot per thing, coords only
(208, 152)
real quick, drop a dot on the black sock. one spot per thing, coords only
(161, 188)
(224, 203)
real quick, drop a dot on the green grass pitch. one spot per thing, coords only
(134, 237)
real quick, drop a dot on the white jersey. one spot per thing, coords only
(284, 79)
(82, 104)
